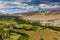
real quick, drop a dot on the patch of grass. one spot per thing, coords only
(24, 37)
(55, 39)
(13, 36)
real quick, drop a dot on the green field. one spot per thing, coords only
(16, 28)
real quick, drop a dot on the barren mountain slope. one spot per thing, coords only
(51, 17)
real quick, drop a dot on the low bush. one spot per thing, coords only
(24, 37)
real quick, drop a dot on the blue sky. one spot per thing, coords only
(18, 6)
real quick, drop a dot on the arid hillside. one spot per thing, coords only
(52, 12)
(47, 17)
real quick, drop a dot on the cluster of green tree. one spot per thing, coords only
(24, 37)
(53, 27)
(4, 31)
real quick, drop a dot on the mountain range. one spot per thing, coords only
(52, 12)
(47, 17)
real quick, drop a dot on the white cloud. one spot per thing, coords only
(47, 6)
(18, 0)
(20, 7)
(1, 4)
(17, 6)
(23, 0)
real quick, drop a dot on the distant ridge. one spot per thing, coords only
(26, 13)
(52, 12)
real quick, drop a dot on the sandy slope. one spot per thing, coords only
(52, 17)
(44, 19)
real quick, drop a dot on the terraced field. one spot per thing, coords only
(14, 28)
